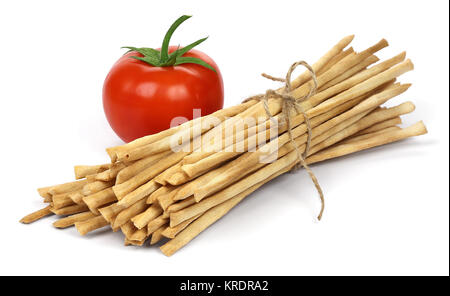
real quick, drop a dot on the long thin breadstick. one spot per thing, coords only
(380, 126)
(171, 232)
(378, 140)
(71, 220)
(36, 215)
(157, 235)
(138, 166)
(125, 215)
(99, 199)
(70, 210)
(67, 187)
(142, 220)
(84, 227)
(81, 171)
(96, 186)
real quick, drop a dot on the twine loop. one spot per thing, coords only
(290, 103)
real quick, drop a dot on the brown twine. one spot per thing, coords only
(289, 103)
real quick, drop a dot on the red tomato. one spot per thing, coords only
(140, 99)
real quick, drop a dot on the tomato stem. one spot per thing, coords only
(162, 58)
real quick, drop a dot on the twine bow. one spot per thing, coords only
(288, 104)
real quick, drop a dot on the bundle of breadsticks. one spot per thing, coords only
(159, 188)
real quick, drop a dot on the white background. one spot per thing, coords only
(387, 209)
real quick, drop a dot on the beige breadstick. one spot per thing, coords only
(138, 194)
(157, 235)
(350, 72)
(380, 126)
(111, 173)
(335, 50)
(110, 212)
(161, 178)
(160, 191)
(128, 229)
(36, 215)
(139, 235)
(363, 87)
(70, 210)
(363, 124)
(171, 232)
(166, 200)
(77, 197)
(181, 205)
(84, 227)
(355, 138)
(141, 220)
(67, 187)
(335, 60)
(71, 220)
(126, 215)
(94, 187)
(45, 192)
(61, 200)
(377, 140)
(101, 198)
(128, 186)
(81, 171)
(155, 224)
(138, 166)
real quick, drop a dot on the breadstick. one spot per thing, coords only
(81, 171)
(350, 72)
(364, 123)
(171, 232)
(138, 194)
(128, 229)
(84, 227)
(380, 126)
(138, 166)
(61, 200)
(355, 138)
(77, 197)
(45, 192)
(111, 173)
(110, 212)
(159, 192)
(139, 235)
(128, 186)
(101, 198)
(36, 215)
(335, 50)
(70, 220)
(157, 235)
(70, 210)
(125, 215)
(377, 140)
(335, 60)
(155, 224)
(166, 200)
(94, 187)
(181, 205)
(67, 187)
(141, 220)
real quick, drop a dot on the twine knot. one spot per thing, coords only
(290, 103)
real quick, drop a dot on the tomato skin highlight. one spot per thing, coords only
(140, 99)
